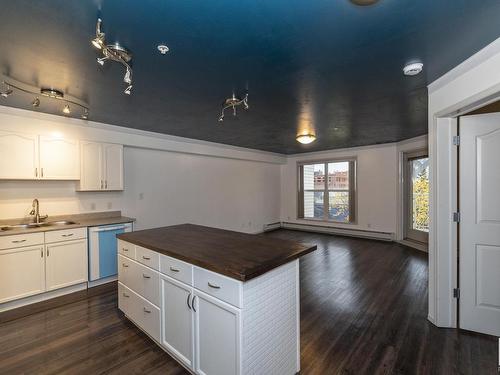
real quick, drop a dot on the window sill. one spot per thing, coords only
(312, 220)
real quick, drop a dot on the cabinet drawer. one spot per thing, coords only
(148, 257)
(126, 248)
(141, 311)
(217, 285)
(141, 279)
(176, 269)
(65, 235)
(19, 240)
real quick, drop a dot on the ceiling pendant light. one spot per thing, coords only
(305, 139)
(36, 102)
(113, 52)
(66, 109)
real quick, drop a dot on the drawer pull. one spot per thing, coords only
(146, 276)
(174, 269)
(147, 311)
(213, 285)
(126, 295)
(124, 249)
(146, 258)
(124, 265)
(18, 241)
(67, 235)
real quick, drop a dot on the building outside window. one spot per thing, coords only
(327, 190)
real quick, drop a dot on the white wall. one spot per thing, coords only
(161, 187)
(377, 184)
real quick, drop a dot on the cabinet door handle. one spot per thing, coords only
(147, 311)
(126, 295)
(41, 169)
(213, 285)
(41, 253)
(146, 258)
(105, 184)
(18, 241)
(48, 252)
(189, 296)
(173, 269)
(36, 172)
(67, 235)
(192, 303)
(101, 184)
(146, 276)
(124, 265)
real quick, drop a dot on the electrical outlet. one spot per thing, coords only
(92, 206)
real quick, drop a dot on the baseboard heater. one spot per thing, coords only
(374, 235)
(272, 226)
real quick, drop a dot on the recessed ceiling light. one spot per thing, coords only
(305, 139)
(163, 49)
(364, 2)
(413, 69)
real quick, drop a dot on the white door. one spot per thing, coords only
(66, 263)
(113, 157)
(18, 156)
(59, 158)
(479, 251)
(217, 327)
(91, 166)
(22, 272)
(177, 320)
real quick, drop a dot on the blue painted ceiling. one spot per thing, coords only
(324, 65)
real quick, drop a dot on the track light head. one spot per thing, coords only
(128, 90)
(66, 109)
(101, 60)
(85, 114)
(36, 103)
(128, 76)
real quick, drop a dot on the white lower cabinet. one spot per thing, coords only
(66, 263)
(217, 336)
(177, 334)
(22, 272)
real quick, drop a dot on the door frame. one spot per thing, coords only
(471, 85)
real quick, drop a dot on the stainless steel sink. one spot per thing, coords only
(37, 225)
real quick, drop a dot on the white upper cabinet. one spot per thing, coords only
(59, 158)
(32, 157)
(101, 166)
(113, 162)
(18, 156)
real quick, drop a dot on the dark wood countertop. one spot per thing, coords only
(238, 255)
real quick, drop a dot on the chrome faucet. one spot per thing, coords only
(36, 212)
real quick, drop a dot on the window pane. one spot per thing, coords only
(314, 176)
(338, 203)
(313, 204)
(338, 175)
(420, 193)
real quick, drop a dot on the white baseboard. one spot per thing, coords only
(272, 226)
(359, 233)
(102, 281)
(42, 297)
(416, 245)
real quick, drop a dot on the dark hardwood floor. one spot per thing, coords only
(363, 311)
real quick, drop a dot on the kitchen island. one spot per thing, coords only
(220, 302)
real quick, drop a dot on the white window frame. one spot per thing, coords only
(352, 190)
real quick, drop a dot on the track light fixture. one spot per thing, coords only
(50, 93)
(233, 102)
(113, 52)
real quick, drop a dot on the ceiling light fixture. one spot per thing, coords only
(163, 49)
(113, 52)
(413, 69)
(233, 102)
(305, 139)
(6, 93)
(13, 85)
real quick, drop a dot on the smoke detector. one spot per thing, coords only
(413, 69)
(163, 49)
